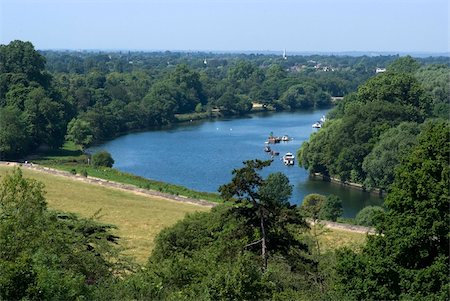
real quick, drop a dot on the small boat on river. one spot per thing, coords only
(285, 138)
(288, 159)
(267, 149)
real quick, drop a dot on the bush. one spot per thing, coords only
(317, 206)
(331, 209)
(102, 158)
(73, 171)
(368, 215)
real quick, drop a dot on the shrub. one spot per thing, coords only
(368, 215)
(102, 158)
(332, 208)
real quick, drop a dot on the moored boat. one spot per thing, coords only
(288, 159)
(285, 138)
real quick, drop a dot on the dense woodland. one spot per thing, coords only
(88, 97)
(372, 129)
(390, 131)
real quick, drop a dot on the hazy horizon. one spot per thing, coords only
(302, 26)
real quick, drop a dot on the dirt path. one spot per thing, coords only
(112, 184)
(166, 196)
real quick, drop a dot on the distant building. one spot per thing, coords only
(284, 55)
(380, 70)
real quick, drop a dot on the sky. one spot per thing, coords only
(229, 25)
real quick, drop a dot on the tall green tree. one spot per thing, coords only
(409, 258)
(14, 135)
(267, 205)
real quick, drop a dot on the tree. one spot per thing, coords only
(245, 185)
(312, 206)
(25, 85)
(258, 198)
(332, 208)
(102, 158)
(79, 131)
(404, 64)
(394, 144)
(14, 136)
(409, 259)
(369, 215)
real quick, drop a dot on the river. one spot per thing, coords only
(201, 155)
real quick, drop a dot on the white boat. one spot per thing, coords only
(317, 125)
(285, 138)
(288, 159)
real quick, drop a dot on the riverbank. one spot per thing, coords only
(358, 186)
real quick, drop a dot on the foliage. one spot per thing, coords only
(79, 132)
(332, 209)
(404, 64)
(268, 209)
(393, 145)
(102, 158)
(49, 255)
(369, 215)
(435, 81)
(342, 146)
(28, 92)
(14, 136)
(410, 257)
(318, 207)
(312, 205)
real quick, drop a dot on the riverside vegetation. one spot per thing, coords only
(256, 245)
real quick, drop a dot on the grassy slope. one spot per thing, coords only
(139, 218)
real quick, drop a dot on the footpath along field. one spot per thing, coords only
(139, 217)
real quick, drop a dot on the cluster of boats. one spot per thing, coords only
(318, 124)
(288, 158)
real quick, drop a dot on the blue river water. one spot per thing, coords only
(201, 155)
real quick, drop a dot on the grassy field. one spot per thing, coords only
(139, 218)
(335, 238)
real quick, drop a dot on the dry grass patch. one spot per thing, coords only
(331, 239)
(138, 218)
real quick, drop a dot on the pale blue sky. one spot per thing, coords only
(229, 25)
